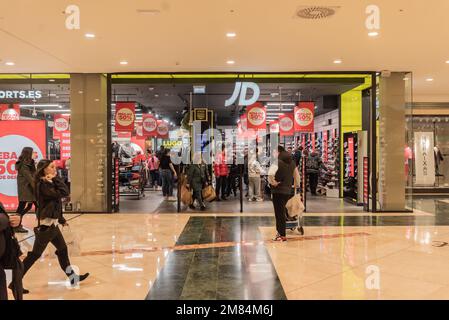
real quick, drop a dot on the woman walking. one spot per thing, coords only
(197, 177)
(26, 168)
(167, 173)
(50, 189)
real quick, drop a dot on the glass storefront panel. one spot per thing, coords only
(34, 112)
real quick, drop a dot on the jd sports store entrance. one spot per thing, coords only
(339, 120)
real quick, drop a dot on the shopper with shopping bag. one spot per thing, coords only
(50, 189)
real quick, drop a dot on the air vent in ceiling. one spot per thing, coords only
(316, 12)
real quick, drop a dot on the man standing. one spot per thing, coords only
(221, 173)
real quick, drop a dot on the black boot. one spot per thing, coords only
(75, 279)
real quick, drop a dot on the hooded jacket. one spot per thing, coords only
(25, 181)
(284, 174)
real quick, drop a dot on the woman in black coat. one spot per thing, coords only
(6, 225)
(26, 170)
(50, 189)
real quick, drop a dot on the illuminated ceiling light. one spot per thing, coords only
(51, 80)
(429, 79)
(89, 35)
(123, 63)
(447, 61)
(338, 61)
(230, 62)
(10, 63)
(231, 34)
(373, 34)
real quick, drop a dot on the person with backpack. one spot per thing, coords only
(313, 165)
(50, 189)
(26, 168)
(9, 255)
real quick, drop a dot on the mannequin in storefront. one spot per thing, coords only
(438, 159)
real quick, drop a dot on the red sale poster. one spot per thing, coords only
(304, 117)
(351, 154)
(274, 126)
(14, 136)
(125, 116)
(64, 146)
(286, 127)
(162, 129)
(256, 115)
(61, 124)
(9, 112)
(149, 125)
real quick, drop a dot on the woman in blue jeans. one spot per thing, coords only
(167, 171)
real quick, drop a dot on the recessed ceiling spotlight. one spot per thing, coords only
(231, 34)
(89, 35)
(151, 12)
(373, 34)
(447, 61)
(230, 62)
(10, 63)
(429, 79)
(338, 61)
(123, 62)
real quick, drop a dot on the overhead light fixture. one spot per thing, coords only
(199, 89)
(230, 62)
(123, 63)
(231, 34)
(10, 63)
(373, 34)
(151, 12)
(447, 61)
(89, 35)
(39, 105)
(51, 80)
(55, 110)
(429, 79)
(338, 61)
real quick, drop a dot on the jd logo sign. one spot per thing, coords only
(240, 93)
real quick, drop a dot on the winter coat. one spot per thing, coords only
(49, 196)
(284, 174)
(254, 168)
(314, 163)
(197, 176)
(220, 166)
(25, 181)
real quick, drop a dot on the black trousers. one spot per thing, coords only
(279, 202)
(17, 275)
(198, 195)
(44, 236)
(221, 186)
(313, 182)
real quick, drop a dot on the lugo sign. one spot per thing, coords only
(240, 93)
(20, 94)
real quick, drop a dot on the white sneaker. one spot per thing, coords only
(259, 199)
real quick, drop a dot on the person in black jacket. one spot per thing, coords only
(26, 168)
(282, 190)
(50, 189)
(6, 230)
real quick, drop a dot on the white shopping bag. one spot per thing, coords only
(73, 241)
(295, 206)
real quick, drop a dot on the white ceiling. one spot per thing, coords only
(190, 36)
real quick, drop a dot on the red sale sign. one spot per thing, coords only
(274, 126)
(304, 117)
(9, 112)
(256, 115)
(149, 125)
(61, 124)
(14, 136)
(286, 127)
(125, 115)
(162, 129)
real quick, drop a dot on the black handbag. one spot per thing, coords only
(12, 249)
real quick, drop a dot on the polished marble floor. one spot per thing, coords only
(223, 256)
